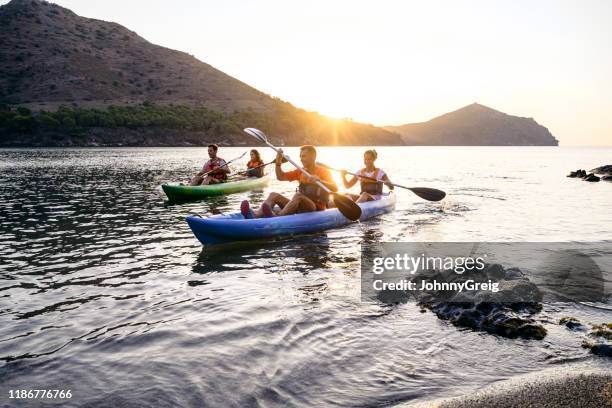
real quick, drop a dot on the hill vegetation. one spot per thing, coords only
(171, 125)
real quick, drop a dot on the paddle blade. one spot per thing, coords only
(347, 207)
(257, 134)
(430, 194)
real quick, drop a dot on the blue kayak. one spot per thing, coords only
(226, 228)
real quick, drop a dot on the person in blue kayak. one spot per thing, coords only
(372, 186)
(255, 165)
(214, 171)
(308, 197)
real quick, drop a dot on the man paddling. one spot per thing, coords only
(215, 170)
(309, 197)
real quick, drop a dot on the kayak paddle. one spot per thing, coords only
(226, 164)
(345, 205)
(430, 194)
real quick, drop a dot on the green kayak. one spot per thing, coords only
(182, 193)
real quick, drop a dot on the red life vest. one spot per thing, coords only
(214, 164)
(254, 170)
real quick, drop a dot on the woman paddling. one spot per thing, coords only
(370, 189)
(255, 165)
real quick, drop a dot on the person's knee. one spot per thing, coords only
(305, 203)
(273, 196)
(363, 198)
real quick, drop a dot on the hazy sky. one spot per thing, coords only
(395, 62)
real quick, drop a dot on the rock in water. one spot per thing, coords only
(571, 323)
(591, 177)
(604, 350)
(602, 335)
(507, 312)
(607, 170)
(578, 173)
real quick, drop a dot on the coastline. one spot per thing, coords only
(587, 384)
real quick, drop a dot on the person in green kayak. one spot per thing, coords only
(309, 196)
(255, 165)
(216, 168)
(372, 186)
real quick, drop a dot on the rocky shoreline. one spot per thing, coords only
(511, 311)
(604, 171)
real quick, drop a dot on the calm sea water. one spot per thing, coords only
(105, 291)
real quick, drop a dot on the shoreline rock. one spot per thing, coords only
(598, 340)
(578, 173)
(508, 312)
(605, 170)
(591, 177)
(571, 323)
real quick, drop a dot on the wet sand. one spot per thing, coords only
(558, 387)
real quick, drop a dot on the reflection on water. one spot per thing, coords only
(104, 290)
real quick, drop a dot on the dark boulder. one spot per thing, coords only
(571, 323)
(507, 312)
(592, 178)
(514, 273)
(604, 350)
(607, 170)
(601, 335)
(577, 173)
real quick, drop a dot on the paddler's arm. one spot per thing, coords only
(347, 183)
(201, 172)
(387, 182)
(280, 174)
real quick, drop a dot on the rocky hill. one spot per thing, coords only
(49, 55)
(476, 125)
(67, 80)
